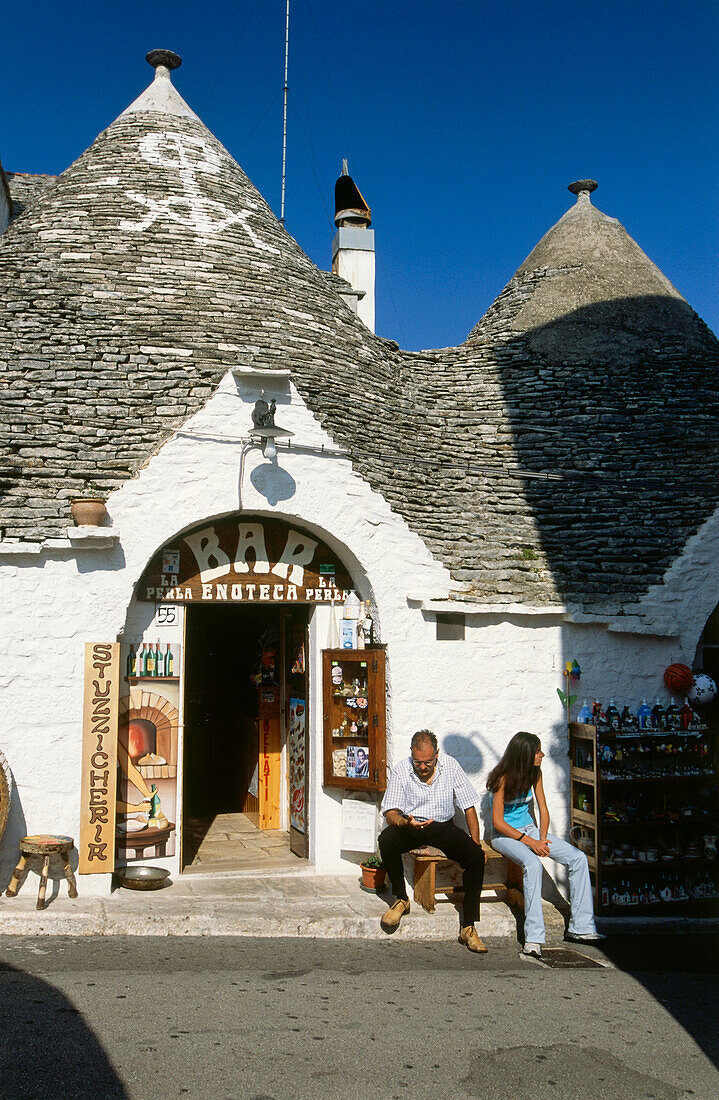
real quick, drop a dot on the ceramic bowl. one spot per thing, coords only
(142, 878)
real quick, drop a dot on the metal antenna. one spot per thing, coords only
(284, 125)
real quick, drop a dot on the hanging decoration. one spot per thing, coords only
(572, 674)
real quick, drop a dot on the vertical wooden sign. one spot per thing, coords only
(99, 758)
(269, 762)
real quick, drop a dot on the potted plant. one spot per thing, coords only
(373, 873)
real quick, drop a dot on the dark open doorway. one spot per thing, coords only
(236, 658)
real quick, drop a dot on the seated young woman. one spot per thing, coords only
(515, 783)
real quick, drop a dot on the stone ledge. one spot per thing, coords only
(92, 537)
(78, 538)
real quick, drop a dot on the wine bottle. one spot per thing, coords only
(149, 660)
(131, 662)
(169, 661)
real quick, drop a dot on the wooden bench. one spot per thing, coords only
(500, 875)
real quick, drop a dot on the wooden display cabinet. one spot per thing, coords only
(355, 727)
(647, 805)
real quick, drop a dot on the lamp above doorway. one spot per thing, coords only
(263, 418)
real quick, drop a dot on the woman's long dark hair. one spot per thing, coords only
(516, 767)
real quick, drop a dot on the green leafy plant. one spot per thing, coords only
(373, 861)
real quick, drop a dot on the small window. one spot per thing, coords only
(450, 628)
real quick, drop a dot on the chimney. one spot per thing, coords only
(353, 245)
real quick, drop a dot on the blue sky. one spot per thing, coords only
(463, 122)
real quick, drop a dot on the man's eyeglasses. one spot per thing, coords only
(422, 764)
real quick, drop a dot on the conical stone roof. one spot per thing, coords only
(536, 466)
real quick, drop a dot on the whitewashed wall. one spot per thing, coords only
(474, 693)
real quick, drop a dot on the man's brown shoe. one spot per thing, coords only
(468, 936)
(390, 921)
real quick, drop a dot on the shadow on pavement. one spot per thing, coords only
(46, 1047)
(680, 972)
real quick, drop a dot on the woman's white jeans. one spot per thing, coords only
(581, 920)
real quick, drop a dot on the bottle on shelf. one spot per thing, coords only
(644, 715)
(131, 662)
(613, 719)
(141, 660)
(149, 660)
(659, 718)
(685, 715)
(169, 662)
(585, 714)
(674, 721)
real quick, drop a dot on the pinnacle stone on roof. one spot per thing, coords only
(161, 96)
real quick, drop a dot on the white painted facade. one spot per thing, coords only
(474, 693)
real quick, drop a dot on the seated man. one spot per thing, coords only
(419, 806)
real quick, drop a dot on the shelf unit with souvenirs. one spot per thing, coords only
(354, 712)
(645, 809)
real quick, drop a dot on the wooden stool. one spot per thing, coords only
(428, 859)
(44, 846)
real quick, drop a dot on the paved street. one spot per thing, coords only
(147, 1017)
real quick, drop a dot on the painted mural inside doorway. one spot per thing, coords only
(147, 751)
(247, 560)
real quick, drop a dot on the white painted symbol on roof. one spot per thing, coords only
(188, 156)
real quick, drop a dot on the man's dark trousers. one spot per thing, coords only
(395, 840)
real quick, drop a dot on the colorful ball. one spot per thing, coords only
(703, 689)
(678, 679)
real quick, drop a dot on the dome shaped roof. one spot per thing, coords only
(588, 291)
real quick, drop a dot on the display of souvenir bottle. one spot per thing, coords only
(659, 718)
(149, 662)
(585, 714)
(131, 662)
(613, 720)
(361, 641)
(140, 660)
(169, 662)
(674, 721)
(596, 711)
(685, 715)
(644, 716)
(368, 627)
(628, 721)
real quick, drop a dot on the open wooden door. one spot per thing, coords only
(297, 727)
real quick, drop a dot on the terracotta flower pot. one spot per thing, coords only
(373, 877)
(88, 511)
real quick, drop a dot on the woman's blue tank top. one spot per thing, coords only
(516, 812)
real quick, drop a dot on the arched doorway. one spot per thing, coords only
(245, 589)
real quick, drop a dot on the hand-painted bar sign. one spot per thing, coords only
(252, 560)
(99, 758)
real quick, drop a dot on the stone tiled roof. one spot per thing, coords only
(552, 456)
(24, 188)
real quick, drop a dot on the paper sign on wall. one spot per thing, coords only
(359, 826)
